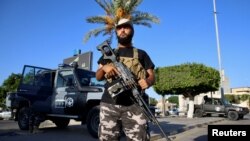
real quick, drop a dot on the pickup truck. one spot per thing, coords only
(68, 92)
(221, 107)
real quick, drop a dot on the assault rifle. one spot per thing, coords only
(126, 81)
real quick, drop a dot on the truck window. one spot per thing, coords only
(36, 77)
(208, 101)
(43, 78)
(64, 78)
(216, 102)
(94, 82)
(28, 76)
(226, 102)
(87, 78)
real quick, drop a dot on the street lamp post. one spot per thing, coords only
(218, 49)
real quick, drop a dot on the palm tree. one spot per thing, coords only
(115, 10)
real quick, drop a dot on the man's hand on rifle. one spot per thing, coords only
(106, 71)
(144, 83)
(149, 81)
(110, 71)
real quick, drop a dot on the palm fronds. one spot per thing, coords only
(115, 10)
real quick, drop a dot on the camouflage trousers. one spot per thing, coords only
(115, 118)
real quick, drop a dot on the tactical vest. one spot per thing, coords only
(133, 65)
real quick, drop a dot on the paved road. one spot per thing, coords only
(173, 126)
(75, 132)
(200, 133)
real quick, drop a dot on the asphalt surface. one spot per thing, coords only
(170, 125)
(176, 125)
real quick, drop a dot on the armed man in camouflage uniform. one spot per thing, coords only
(122, 108)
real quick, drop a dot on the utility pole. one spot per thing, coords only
(218, 50)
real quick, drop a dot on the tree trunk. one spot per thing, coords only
(163, 105)
(190, 113)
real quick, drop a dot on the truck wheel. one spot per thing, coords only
(198, 113)
(233, 115)
(61, 122)
(93, 121)
(23, 118)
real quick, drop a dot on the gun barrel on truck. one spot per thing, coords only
(61, 94)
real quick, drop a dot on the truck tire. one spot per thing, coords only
(61, 122)
(233, 115)
(23, 118)
(198, 113)
(93, 121)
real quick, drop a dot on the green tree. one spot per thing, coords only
(174, 99)
(115, 10)
(229, 97)
(152, 101)
(10, 84)
(189, 79)
(2, 95)
(233, 98)
(244, 97)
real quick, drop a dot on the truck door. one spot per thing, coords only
(208, 106)
(213, 106)
(65, 94)
(219, 107)
(36, 86)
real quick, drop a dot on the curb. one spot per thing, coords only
(180, 130)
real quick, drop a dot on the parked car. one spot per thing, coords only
(174, 112)
(157, 112)
(5, 115)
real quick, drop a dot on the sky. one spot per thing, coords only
(44, 32)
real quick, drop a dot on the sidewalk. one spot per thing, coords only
(176, 125)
